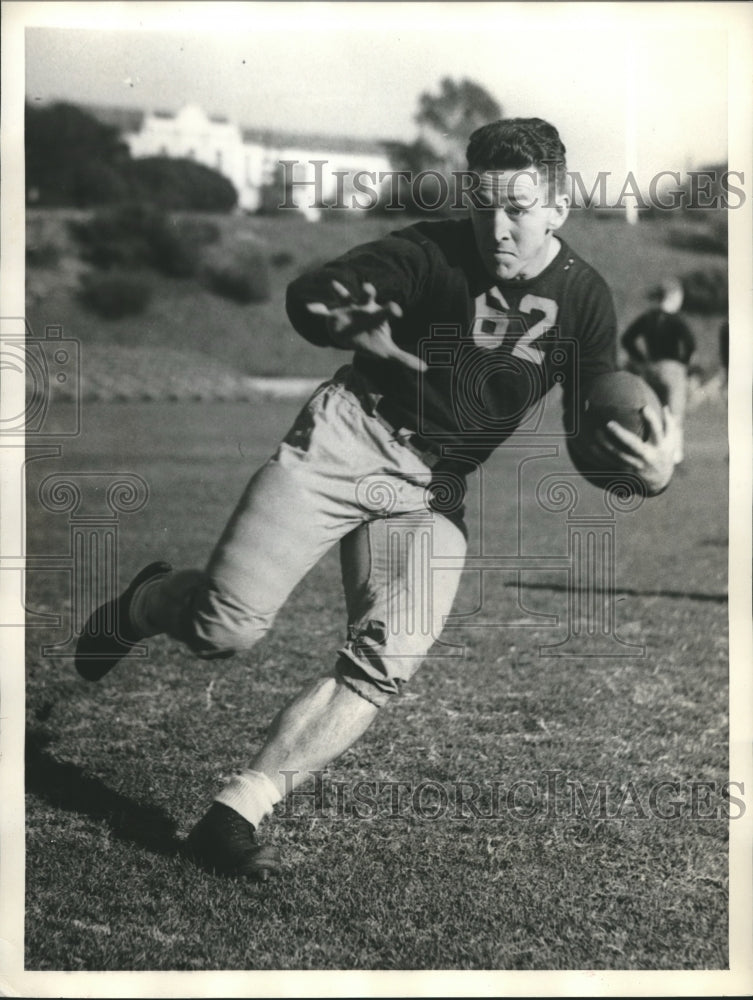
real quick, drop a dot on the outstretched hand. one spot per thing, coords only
(365, 326)
(652, 460)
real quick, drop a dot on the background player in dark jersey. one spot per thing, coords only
(390, 435)
(659, 346)
(724, 349)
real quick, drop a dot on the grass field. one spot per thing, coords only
(543, 874)
(117, 773)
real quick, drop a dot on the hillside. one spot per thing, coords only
(190, 337)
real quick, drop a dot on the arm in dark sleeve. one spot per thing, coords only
(596, 332)
(596, 326)
(397, 267)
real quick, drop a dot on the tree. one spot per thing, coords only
(276, 192)
(71, 158)
(447, 119)
(74, 159)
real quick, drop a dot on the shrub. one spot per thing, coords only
(43, 255)
(706, 236)
(242, 274)
(200, 232)
(136, 235)
(176, 183)
(171, 254)
(115, 294)
(119, 237)
(705, 291)
(282, 258)
(98, 184)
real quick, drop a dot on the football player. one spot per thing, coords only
(394, 433)
(659, 346)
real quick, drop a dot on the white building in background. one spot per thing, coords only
(213, 141)
(250, 158)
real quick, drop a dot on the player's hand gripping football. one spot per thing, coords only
(652, 460)
(365, 325)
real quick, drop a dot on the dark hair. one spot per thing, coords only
(516, 144)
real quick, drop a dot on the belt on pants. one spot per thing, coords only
(427, 450)
(383, 410)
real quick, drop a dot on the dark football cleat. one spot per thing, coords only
(109, 635)
(224, 843)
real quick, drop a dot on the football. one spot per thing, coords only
(616, 396)
(620, 396)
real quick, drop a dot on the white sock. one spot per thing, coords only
(138, 610)
(252, 794)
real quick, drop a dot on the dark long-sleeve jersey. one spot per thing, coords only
(659, 336)
(493, 348)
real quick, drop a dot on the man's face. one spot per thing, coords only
(672, 300)
(514, 214)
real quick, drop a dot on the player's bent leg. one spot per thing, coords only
(398, 597)
(323, 721)
(397, 603)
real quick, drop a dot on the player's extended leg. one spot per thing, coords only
(398, 599)
(295, 507)
(279, 530)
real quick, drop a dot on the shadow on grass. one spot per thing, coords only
(67, 787)
(687, 595)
